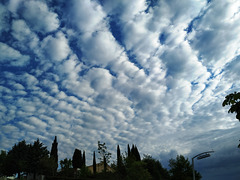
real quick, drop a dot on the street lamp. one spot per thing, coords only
(200, 156)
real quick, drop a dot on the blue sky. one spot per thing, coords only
(152, 73)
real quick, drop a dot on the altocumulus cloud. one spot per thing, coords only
(152, 73)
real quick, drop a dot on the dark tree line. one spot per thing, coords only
(36, 159)
(131, 166)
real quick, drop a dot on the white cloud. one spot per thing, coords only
(12, 57)
(94, 48)
(216, 38)
(56, 48)
(37, 11)
(86, 15)
(26, 38)
(100, 79)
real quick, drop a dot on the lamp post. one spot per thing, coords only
(200, 156)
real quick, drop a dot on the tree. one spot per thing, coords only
(155, 168)
(84, 159)
(233, 100)
(3, 157)
(66, 168)
(94, 163)
(16, 159)
(47, 166)
(36, 153)
(134, 153)
(137, 171)
(54, 153)
(119, 158)
(120, 166)
(77, 159)
(103, 152)
(181, 169)
(66, 164)
(129, 151)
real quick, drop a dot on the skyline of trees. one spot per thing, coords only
(36, 159)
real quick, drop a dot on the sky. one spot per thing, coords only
(148, 72)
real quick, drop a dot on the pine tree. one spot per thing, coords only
(94, 163)
(54, 153)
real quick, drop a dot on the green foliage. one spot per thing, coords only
(103, 152)
(233, 100)
(137, 171)
(155, 168)
(181, 169)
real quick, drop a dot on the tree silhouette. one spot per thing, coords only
(233, 100)
(66, 168)
(155, 168)
(3, 157)
(103, 152)
(94, 163)
(84, 159)
(129, 151)
(36, 153)
(118, 156)
(134, 153)
(181, 169)
(54, 153)
(77, 159)
(17, 158)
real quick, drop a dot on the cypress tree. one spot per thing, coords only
(54, 153)
(94, 163)
(76, 159)
(137, 155)
(118, 157)
(84, 159)
(80, 159)
(129, 151)
(132, 151)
